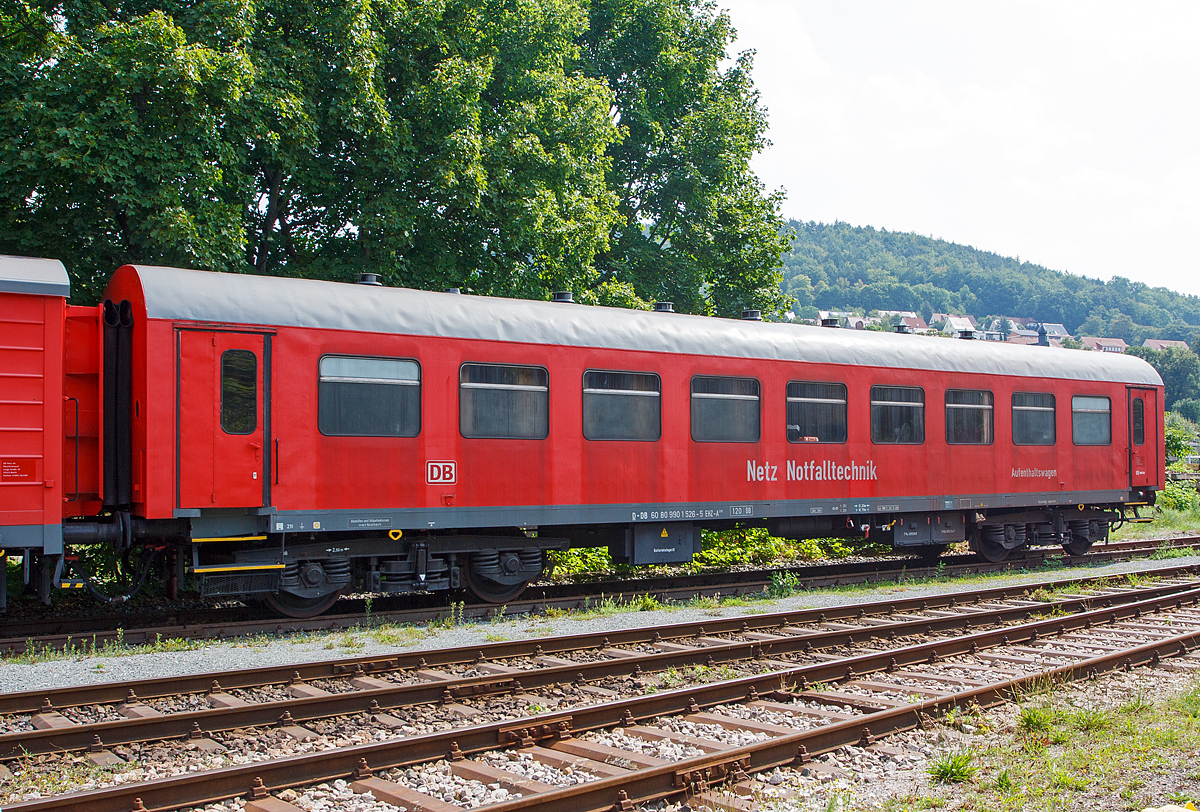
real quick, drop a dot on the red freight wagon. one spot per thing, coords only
(33, 296)
(289, 438)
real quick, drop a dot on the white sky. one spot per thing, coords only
(1066, 133)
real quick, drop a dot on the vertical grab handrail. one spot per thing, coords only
(75, 495)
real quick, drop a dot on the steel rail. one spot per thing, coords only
(79, 633)
(196, 789)
(173, 725)
(31, 701)
(688, 775)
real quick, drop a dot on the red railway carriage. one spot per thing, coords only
(288, 438)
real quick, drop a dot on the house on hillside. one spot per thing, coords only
(1104, 344)
(915, 323)
(1163, 343)
(947, 316)
(957, 325)
(1058, 331)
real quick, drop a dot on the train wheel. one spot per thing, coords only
(991, 551)
(488, 591)
(290, 605)
(1077, 546)
(991, 543)
(1083, 534)
(495, 576)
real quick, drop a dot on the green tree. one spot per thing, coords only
(113, 138)
(438, 143)
(510, 147)
(1188, 408)
(1179, 368)
(695, 225)
(1181, 435)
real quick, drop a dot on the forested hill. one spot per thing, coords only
(842, 266)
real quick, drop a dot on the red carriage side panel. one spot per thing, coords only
(32, 302)
(564, 474)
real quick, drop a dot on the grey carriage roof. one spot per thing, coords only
(177, 294)
(46, 277)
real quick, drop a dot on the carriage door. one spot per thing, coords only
(223, 389)
(1144, 442)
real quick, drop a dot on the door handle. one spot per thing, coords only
(255, 445)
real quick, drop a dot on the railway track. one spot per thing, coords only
(90, 632)
(582, 709)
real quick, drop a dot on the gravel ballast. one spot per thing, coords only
(260, 652)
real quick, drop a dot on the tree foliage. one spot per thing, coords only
(1188, 408)
(843, 266)
(1179, 368)
(694, 226)
(493, 145)
(1181, 436)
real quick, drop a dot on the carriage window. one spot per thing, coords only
(239, 391)
(725, 410)
(368, 397)
(897, 414)
(1091, 420)
(505, 402)
(816, 412)
(1033, 418)
(968, 417)
(1139, 422)
(622, 406)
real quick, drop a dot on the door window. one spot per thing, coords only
(1139, 421)
(239, 392)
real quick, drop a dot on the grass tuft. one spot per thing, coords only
(952, 768)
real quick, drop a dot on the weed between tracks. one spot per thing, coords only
(89, 647)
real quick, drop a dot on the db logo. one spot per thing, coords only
(440, 472)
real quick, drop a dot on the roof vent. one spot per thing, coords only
(967, 335)
(831, 322)
(902, 328)
(664, 307)
(369, 279)
(452, 290)
(1043, 339)
(751, 315)
(564, 296)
